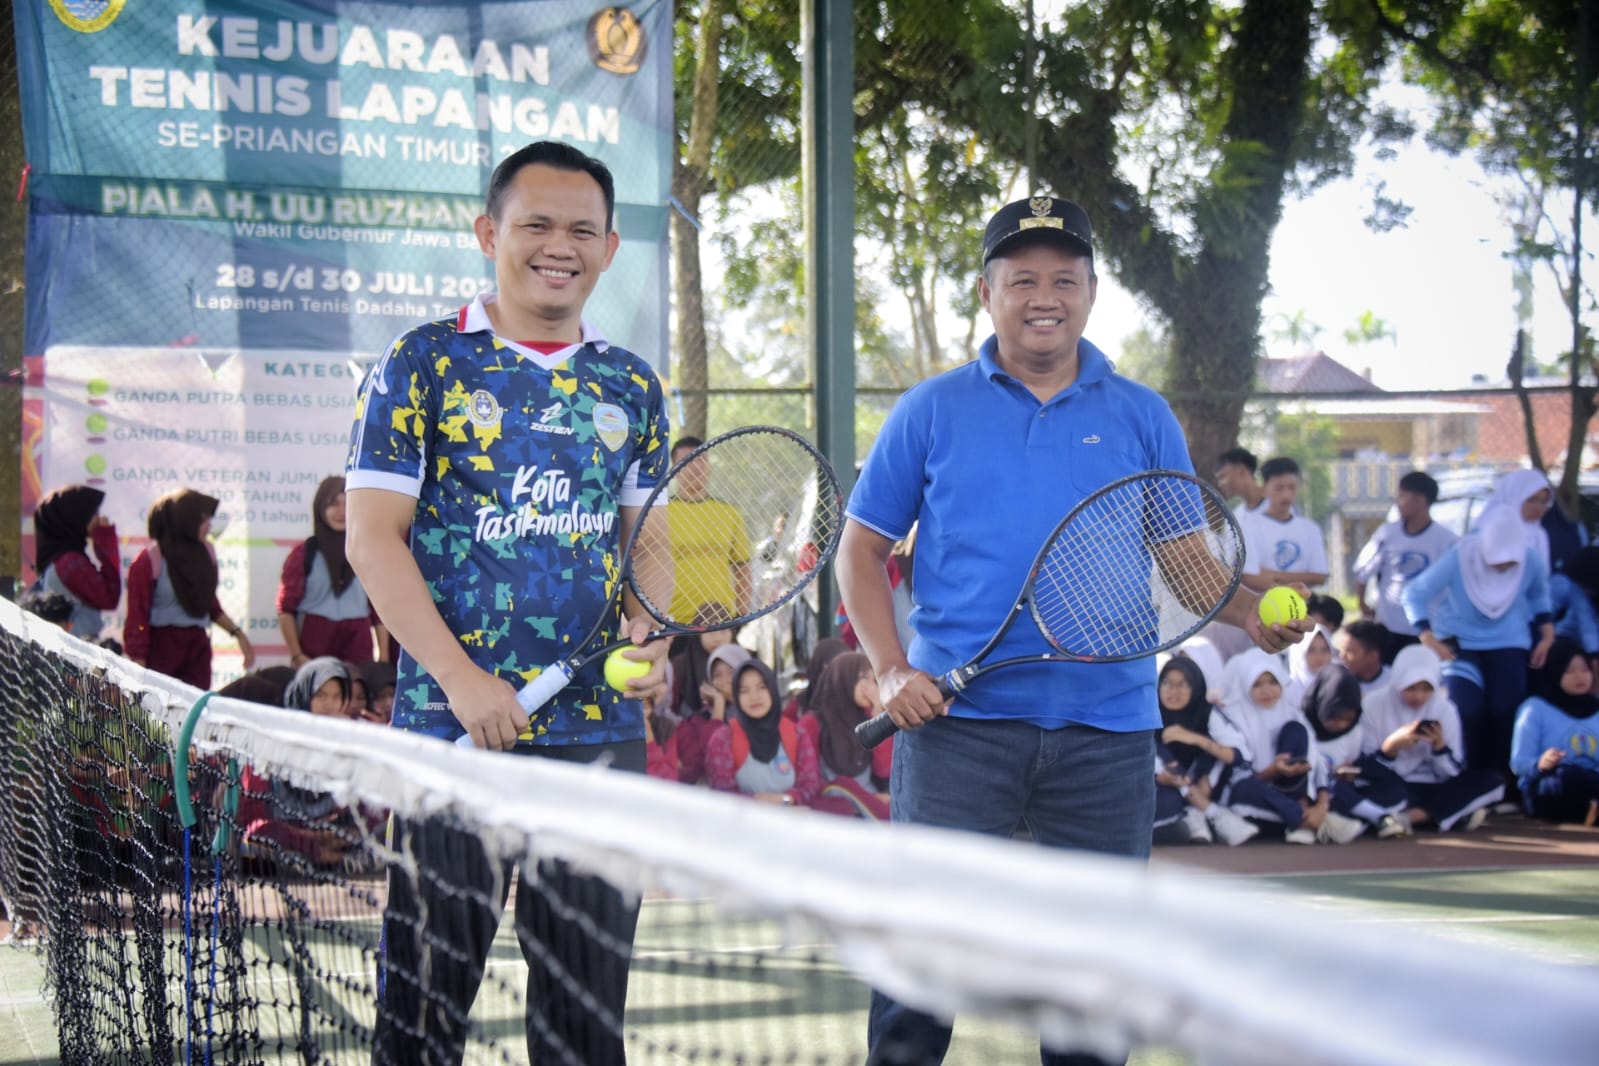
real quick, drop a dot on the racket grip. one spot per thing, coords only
(875, 730)
(542, 689)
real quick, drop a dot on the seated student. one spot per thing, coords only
(1268, 768)
(755, 751)
(688, 660)
(1212, 664)
(1184, 758)
(1363, 786)
(1365, 653)
(1305, 661)
(660, 744)
(360, 701)
(1416, 728)
(278, 817)
(855, 780)
(695, 729)
(826, 650)
(1553, 749)
(1324, 610)
(379, 677)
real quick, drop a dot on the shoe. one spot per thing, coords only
(1338, 829)
(1393, 825)
(1300, 836)
(1198, 829)
(1229, 828)
(1475, 819)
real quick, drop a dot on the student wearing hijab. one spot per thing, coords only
(1270, 769)
(1417, 731)
(172, 593)
(1554, 752)
(380, 689)
(322, 608)
(1305, 661)
(1363, 787)
(689, 656)
(1185, 756)
(696, 727)
(1211, 664)
(842, 697)
(64, 524)
(1476, 609)
(826, 650)
(756, 751)
(1526, 493)
(1574, 600)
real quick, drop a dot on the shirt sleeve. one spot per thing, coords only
(100, 586)
(1524, 746)
(888, 494)
(291, 582)
(395, 413)
(1422, 589)
(136, 627)
(1369, 562)
(719, 770)
(651, 436)
(807, 773)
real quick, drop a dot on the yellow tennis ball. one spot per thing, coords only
(1281, 605)
(619, 669)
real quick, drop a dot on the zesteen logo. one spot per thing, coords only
(616, 41)
(87, 16)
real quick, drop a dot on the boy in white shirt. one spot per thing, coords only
(1400, 550)
(1282, 548)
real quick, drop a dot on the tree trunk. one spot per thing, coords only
(690, 178)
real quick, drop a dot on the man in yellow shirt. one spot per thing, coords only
(710, 544)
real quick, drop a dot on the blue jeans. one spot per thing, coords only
(1075, 787)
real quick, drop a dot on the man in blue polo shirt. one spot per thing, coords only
(498, 461)
(987, 458)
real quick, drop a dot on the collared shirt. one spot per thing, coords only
(988, 471)
(520, 463)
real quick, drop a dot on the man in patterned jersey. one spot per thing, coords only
(499, 459)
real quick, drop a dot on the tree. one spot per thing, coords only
(1515, 84)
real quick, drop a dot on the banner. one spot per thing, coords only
(235, 206)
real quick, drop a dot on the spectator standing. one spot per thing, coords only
(1397, 552)
(1282, 547)
(66, 521)
(322, 608)
(710, 543)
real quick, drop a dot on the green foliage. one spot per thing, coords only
(1312, 440)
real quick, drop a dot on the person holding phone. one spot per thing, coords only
(1271, 771)
(1416, 729)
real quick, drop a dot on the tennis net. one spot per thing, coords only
(257, 935)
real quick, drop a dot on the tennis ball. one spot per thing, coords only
(619, 669)
(1281, 605)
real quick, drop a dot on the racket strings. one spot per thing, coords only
(1136, 568)
(750, 516)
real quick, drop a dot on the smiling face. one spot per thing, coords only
(333, 513)
(754, 698)
(1039, 297)
(328, 700)
(549, 245)
(1175, 691)
(1266, 691)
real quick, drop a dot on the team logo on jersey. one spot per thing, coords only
(616, 41)
(610, 423)
(483, 409)
(1409, 564)
(87, 16)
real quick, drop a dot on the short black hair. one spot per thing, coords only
(1421, 484)
(1238, 457)
(686, 441)
(550, 154)
(1277, 467)
(1325, 607)
(53, 607)
(1373, 635)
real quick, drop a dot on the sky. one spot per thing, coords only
(1441, 283)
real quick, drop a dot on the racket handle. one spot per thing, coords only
(875, 730)
(542, 689)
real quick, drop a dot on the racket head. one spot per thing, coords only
(761, 498)
(1136, 568)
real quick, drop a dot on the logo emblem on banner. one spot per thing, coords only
(87, 16)
(616, 41)
(484, 409)
(611, 425)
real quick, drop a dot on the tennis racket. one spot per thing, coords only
(1136, 568)
(760, 503)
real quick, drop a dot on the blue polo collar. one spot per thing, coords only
(1093, 365)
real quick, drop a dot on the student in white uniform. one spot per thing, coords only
(1397, 552)
(1281, 547)
(1269, 769)
(1363, 787)
(1417, 732)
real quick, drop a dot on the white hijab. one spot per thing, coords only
(1385, 711)
(1297, 670)
(1516, 488)
(1498, 537)
(1209, 661)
